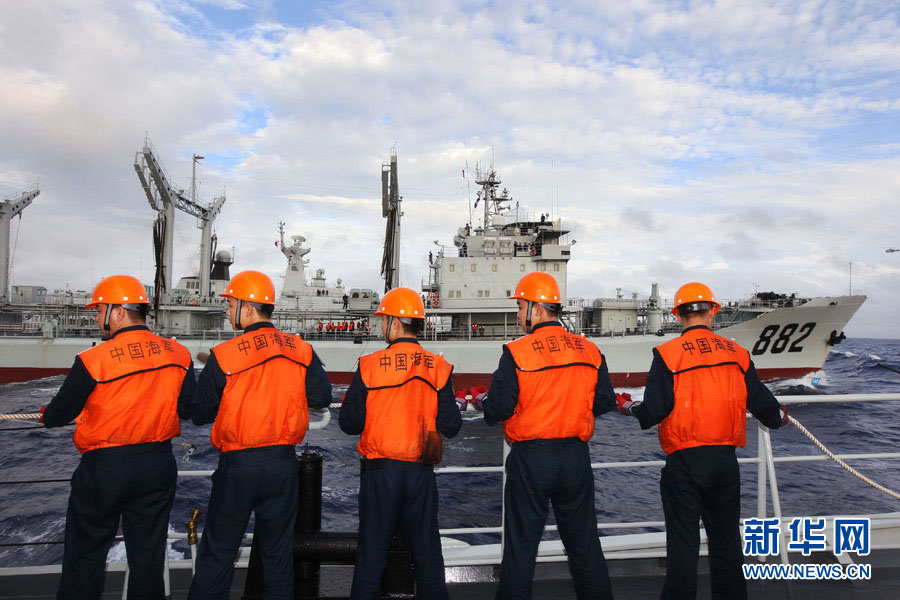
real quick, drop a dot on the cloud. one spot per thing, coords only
(741, 142)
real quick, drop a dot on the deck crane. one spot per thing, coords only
(9, 208)
(164, 198)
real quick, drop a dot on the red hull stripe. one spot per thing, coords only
(13, 374)
(460, 380)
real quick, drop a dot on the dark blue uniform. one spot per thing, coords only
(262, 481)
(134, 482)
(542, 471)
(396, 492)
(703, 482)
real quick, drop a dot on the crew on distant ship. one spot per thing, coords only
(547, 390)
(257, 388)
(699, 387)
(126, 395)
(400, 401)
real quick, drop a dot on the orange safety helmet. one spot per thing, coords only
(695, 292)
(118, 289)
(538, 287)
(250, 286)
(402, 302)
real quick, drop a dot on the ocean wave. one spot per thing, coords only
(811, 382)
(117, 550)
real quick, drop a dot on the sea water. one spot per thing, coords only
(32, 516)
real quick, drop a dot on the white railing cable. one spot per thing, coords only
(765, 460)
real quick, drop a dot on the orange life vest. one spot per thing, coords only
(557, 373)
(264, 400)
(139, 376)
(710, 391)
(402, 382)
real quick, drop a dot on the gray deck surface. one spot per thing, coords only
(640, 578)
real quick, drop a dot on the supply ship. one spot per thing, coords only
(469, 318)
(466, 292)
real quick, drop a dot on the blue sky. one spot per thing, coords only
(736, 142)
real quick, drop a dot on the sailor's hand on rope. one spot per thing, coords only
(624, 403)
(41, 418)
(785, 419)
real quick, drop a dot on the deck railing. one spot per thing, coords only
(767, 485)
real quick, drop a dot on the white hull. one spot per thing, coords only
(776, 337)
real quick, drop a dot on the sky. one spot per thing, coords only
(748, 144)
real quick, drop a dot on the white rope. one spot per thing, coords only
(20, 417)
(831, 455)
(36, 416)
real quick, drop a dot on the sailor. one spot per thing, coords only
(257, 388)
(547, 389)
(399, 399)
(126, 395)
(699, 387)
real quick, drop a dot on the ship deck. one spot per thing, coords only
(631, 578)
(636, 561)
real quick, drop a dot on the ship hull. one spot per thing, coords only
(784, 343)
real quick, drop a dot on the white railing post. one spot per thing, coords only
(506, 449)
(761, 480)
(773, 486)
(166, 582)
(760, 473)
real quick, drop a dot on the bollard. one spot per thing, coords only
(309, 514)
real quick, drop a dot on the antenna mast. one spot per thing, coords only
(390, 210)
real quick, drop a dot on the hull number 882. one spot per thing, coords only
(776, 338)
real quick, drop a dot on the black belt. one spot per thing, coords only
(377, 464)
(253, 456)
(132, 449)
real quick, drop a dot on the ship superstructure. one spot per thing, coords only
(472, 280)
(466, 291)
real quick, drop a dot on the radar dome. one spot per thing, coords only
(223, 256)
